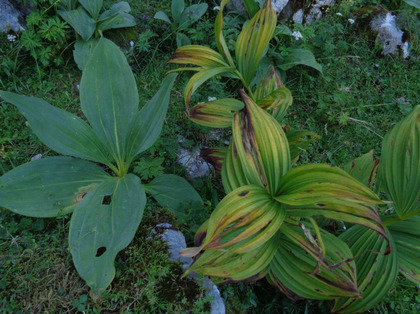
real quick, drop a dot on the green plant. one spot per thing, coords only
(89, 23)
(182, 19)
(107, 208)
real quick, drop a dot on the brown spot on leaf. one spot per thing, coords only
(243, 193)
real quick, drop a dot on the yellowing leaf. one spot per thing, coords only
(220, 39)
(198, 55)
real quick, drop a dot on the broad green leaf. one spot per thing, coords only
(116, 17)
(82, 23)
(198, 55)
(376, 271)
(83, 50)
(162, 16)
(92, 6)
(414, 3)
(109, 97)
(214, 156)
(244, 220)
(103, 224)
(399, 169)
(233, 174)
(232, 267)
(298, 56)
(191, 15)
(182, 40)
(48, 187)
(147, 124)
(406, 235)
(298, 141)
(215, 114)
(261, 146)
(177, 7)
(282, 30)
(317, 189)
(220, 39)
(173, 192)
(253, 41)
(363, 168)
(294, 271)
(60, 130)
(201, 77)
(251, 7)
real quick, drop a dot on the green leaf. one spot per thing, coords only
(298, 142)
(191, 15)
(82, 23)
(173, 192)
(162, 16)
(220, 39)
(48, 187)
(399, 169)
(83, 50)
(295, 272)
(177, 7)
(103, 224)
(147, 124)
(253, 41)
(278, 101)
(92, 6)
(109, 97)
(363, 168)
(116, 17)
(414, 3)
(233, 175)
(299, 56)
(261, 146)
(376, 271)
(60, 130)
(251, 7)
(215, 114)
(406, 235)
(317, 189)
(182, 40)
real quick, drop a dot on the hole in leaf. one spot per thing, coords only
(107, 200)
(100, 251)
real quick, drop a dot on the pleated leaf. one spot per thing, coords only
(376, 272)
(220, 39)
(298, 141)
(215, 114)
(253, 41)
(406, 235)
(225, 266)
(317, 189)
(363, 168)
(233, 174)
(399, 169)
(261, 146)
(292, 269)
(109, 97)
(60, 130)
(268, 83)
(147, 124)
(214, 156)
(103, 224)
(198, 55)
(82, 23)
(48, 187)
(247, 217)
(278, 101)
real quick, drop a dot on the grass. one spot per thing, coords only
(359, 96)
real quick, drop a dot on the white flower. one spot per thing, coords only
(36, 157)
(11, 37)
(297, 35)
(216, 8)
(211, 98)
(339, 14)
(78, 87)
(351, 21)
(131, 44)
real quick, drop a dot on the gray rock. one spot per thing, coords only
(195, 166)
(10, 17)
(176, 242)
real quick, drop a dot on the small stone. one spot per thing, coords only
(36, 157)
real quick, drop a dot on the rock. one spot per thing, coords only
(176, 242)
(195, 166)
(10, 18)
(389, 34)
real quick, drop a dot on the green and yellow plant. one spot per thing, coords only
(106, 201)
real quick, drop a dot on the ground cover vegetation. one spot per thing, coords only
(327, 96)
